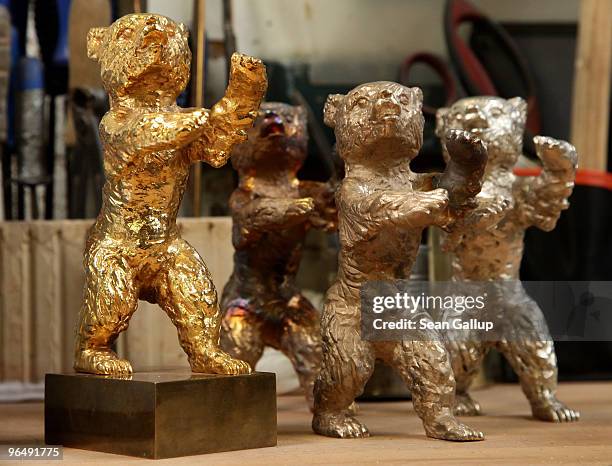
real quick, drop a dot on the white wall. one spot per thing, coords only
(368, 37)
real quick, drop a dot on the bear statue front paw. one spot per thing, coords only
(488, 213)
(301, 207)
(427, 208)
(200, 117)
(249, 71)
(464, 148)
(555, 155)
(339, 425)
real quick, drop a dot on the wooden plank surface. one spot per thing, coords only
(591, 100)
(512, 436)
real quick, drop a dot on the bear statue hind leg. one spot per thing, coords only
(554, 411)
(535, 364)
(425, 368)
(347, 364)
(449, 428)
(465, 405)
(102, 362)
(187, 294)
(300, 341)
(531, 353)
(466, 360)
(110, 299)
(241, 335)
(339, 425)
(213, 360)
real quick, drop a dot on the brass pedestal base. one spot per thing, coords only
(161, 414)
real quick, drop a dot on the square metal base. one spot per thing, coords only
(162, 414)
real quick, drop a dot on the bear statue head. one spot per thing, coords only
(376, 121)
(144, 56)
(277, 141)
(498, 122)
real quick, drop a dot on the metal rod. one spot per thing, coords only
(198, 93)
(228, 31)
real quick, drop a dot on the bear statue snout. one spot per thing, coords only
(386, 108)
(474, 119)
(272, 125)
(154, 33)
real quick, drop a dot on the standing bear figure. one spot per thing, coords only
(488, 246)
(134, 250)
(272, 211)
(383, 208)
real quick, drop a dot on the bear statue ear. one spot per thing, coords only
(417, 96)
(183, 30)
(330, 111)
(519, 110)
(95, 36)
(301, 114)
(441, 121)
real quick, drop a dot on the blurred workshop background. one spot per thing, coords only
(555, 53)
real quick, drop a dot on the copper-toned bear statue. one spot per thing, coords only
(272, 211)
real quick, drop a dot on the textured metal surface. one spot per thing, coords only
(161, 414)
(134, 250)
(272, 211)
(489, 246)
(383, 208)
(30, 139)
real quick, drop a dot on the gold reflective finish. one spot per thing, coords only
(272, 212)
(488, 245)
(134, 250)
(383, 208)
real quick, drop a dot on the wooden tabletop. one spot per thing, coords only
(397, 435)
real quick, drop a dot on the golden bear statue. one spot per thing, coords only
(134, 250)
